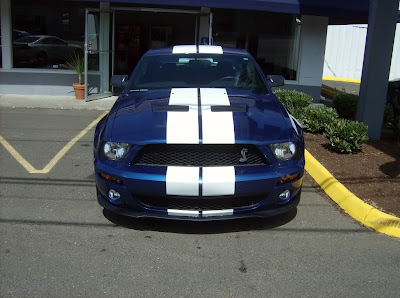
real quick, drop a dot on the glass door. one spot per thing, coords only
(98, 53)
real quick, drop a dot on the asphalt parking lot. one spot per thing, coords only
(56, 241)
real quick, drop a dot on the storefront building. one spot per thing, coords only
(39, 37)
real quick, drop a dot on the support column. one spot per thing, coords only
(204, 25)
(6, 34)
(104, 48)
(375, 74)
(311, 56)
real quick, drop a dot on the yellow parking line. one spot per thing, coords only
(18, 157)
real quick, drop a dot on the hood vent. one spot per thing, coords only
(235, 108)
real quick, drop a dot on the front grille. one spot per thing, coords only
(199, 155)
(203, 203)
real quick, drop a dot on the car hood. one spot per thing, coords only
(204, 115)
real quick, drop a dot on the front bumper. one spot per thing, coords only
(253, 181)
(164, 215)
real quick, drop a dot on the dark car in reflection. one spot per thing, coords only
(43, 50)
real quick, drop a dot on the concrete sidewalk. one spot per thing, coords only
(54, 102)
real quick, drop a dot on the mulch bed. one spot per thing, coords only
(373, 175)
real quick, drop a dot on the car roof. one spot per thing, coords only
(193, 49)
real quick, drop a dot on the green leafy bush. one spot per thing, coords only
(347, 136)
(346, 105)
(315, 119)
(294, 101)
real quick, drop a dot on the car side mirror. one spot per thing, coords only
(119, 81)
(276, 80)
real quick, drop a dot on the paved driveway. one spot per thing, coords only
(55, 240)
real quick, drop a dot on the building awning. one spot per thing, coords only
(337, 8)
(339, 11)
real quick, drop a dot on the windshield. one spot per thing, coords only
(197, 70)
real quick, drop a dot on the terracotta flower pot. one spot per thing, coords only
(79, 90)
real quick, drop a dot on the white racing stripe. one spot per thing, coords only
(293, 124)
(182, 181)
(205, 49)
(184, 49)
(176, 212)
(218, 181)
(183, 127)
(217, 127)
(224, 212)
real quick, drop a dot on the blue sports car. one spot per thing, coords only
(197, 134)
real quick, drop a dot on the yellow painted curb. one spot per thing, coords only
(341, 80)
(328, 92)
(356, 208)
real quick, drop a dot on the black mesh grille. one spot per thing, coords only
(203, 203)
(199, 155)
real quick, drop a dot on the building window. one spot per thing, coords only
(272, 38)
(47, 33)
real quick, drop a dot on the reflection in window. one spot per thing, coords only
(47, 33)
(197, 70)
(272, 38)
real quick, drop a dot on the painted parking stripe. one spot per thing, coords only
(217, 127)
(183, 127)
(206, 49)
(182, 181)
(23, 162)
(218, 181)
(184, 49)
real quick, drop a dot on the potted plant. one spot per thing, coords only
(76, 63)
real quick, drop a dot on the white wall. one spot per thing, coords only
(344, 54)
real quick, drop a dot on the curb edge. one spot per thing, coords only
(351, 204)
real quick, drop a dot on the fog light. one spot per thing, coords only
(114, 195)
(284, 195)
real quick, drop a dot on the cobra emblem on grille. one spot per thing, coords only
(243, 153)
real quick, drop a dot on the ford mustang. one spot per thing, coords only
(197, 134)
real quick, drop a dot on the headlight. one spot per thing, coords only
(284, 151)
(115, 151)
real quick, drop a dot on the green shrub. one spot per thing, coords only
(294, 101)
(347, 136)
(346, 105)
(315, 119)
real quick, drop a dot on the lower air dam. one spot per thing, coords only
(208, 213)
